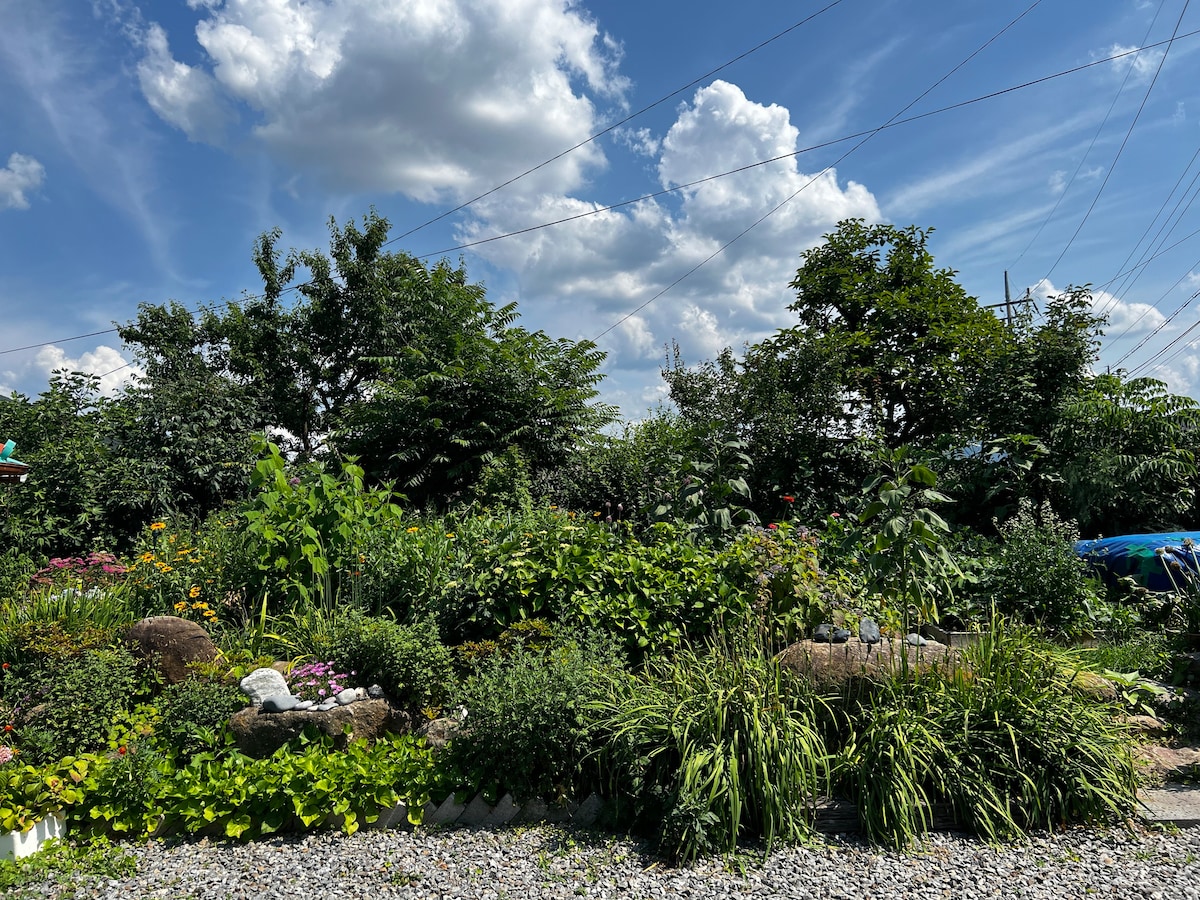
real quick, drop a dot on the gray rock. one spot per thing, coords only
(915, 640)
(263, 683)
(823, 633)
(326, 706)
(346, 697)
(375, 692)
(868, 632)
(278, 703)
(304, 705)
(258, 733)
(839, 636)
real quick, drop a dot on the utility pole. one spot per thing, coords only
(1007, 303)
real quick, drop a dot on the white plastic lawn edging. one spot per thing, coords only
(479, 813)
(19, 844)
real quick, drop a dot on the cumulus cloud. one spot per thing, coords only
(604, 267)
(23, 173)
(114, 371)
(1125, 317)
(1140, 66)
(183, 95)
(434, 100)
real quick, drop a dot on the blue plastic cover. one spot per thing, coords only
(1137, 556)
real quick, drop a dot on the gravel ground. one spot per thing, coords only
(550, 862)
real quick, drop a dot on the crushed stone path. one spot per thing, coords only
(549, 862)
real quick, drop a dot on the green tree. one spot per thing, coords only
(1125, 453)
(915, 349)
(405, 366)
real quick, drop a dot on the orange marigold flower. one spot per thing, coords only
(158, 526)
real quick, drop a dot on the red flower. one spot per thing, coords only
(7, 728)
(772, 526)
(5, 666)
(835, 515)
(788, 498)
(121, 750)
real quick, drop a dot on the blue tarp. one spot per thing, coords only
(1137, 556)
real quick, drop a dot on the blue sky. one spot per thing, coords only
(144, 146)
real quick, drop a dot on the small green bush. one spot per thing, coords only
(409, 662)
(193, 709)
(1004, 740)
(527, 731)
(67, 706)
(1038, 579)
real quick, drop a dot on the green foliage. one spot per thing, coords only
(310, 529)
(408, 661)
(504, 483)
(526, 730)
(30, 793)
(193, 710)
(303, 786)
(122, 789)
(713, 748)
(1038, 577)
(67, 704)
(907, 564)
(1004, 740)
(66, 864)
(710, 494)
(1126, 455)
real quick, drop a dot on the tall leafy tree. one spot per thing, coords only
(371, 353)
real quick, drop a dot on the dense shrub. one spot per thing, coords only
(527, 731)
(1037, 577)
(195, 706)
(67, 705)
(409, 662)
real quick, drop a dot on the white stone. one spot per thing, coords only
(263, 683)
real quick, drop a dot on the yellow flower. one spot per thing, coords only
(181, 605)
(194, 592)
(449, 534)
(147, 556)
(158, 526)
(413, 530)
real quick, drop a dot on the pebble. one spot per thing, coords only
(554, 862)
(346, 697)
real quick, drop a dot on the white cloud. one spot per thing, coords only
(1058, 181)
(435, 100)
(182, 95)
(23, 173)
(1140, 66)
(1125, 318)
(114, 371)
(603, 267)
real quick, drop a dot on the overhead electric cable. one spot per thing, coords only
(616, 125)
(833, 142)
(1145, 366)
(1121, 149)
(1160, 237)
(1087, 153)
(1161, 325)
(836, 162)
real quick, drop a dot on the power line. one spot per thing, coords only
(1091, 146)
(833, 142)
(802, 187)
(1121, 149)
(821, 146)
(617, 125)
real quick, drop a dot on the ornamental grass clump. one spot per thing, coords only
(1003, 740)
(711, 747)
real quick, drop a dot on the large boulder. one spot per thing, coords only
(170, 644)
(841, 663)
(259, 734)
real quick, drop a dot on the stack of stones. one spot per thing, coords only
(268, 690)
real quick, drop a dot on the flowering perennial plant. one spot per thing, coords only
(96, 569)
(317, 681)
